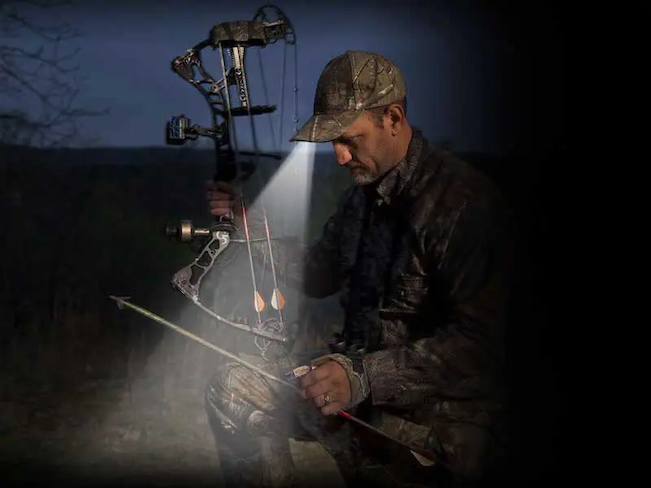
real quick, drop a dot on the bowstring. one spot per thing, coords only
(282, 98)
(266, 95)
(265, 92)
(235, 147)
(295, 119)
(256, 150)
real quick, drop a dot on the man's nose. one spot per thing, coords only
(342, 153)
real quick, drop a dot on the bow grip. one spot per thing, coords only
(226, 174)
(226, 169)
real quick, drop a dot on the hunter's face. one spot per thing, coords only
(366, 148)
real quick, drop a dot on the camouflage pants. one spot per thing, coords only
(253, 419)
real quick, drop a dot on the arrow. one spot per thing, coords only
(424, 456)
(125, 303)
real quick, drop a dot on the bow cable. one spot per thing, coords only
(295, 119)
(258, 303)
(282, 99)
(266, 99)
(277, 299)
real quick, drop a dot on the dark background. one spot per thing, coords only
(85, 196)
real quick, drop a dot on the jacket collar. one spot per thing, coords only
(400, 178)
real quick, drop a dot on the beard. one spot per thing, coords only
(363, 175)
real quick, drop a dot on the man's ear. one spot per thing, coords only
(396, 115)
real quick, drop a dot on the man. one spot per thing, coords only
(419, 250)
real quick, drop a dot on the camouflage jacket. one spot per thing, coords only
(422, 262)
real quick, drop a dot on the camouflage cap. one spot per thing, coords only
(349, 84)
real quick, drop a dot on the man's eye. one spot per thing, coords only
(352, 141)
(349, 141)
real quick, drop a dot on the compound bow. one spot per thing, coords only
(232, 40)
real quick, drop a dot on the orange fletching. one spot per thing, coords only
(258, 303)
(277, 300)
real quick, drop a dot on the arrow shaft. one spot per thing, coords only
(201, 341)
(423, 452)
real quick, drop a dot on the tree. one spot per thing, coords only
(39, 81)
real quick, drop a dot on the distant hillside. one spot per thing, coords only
(509, 171)
(186, 168)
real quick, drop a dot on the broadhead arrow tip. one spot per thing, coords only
(120, 300)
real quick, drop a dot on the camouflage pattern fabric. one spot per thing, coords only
(422, 261)
(351, 83)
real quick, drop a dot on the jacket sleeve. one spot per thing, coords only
(315, 270)
(460, 357)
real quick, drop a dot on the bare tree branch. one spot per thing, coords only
(39, 82)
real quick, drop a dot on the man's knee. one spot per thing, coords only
(241, 401)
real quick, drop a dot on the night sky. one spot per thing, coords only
(473, 71)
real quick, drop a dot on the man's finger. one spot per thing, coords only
(220, 204)
(314, 376)
(226, 187)
(221, 196)
(319, 400)
(218, 211)
(316, 390)
(332, 408)
(213, 185)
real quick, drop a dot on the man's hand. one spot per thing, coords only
(328, 381)
(222, 198)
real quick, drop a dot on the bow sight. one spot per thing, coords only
(231, 40)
